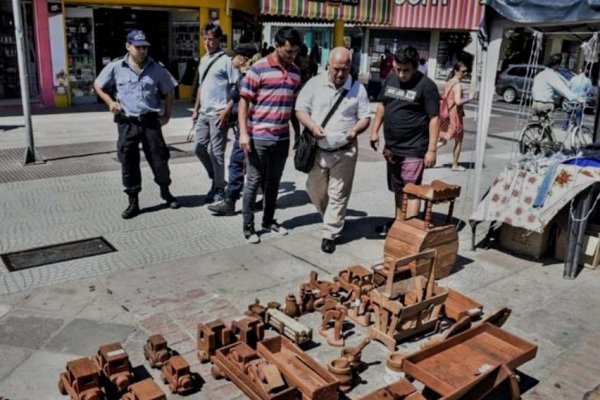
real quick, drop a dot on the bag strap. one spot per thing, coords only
(335, 107)
(209, 66)
(446, 93)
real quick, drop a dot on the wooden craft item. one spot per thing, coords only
(113, 362)
(211, 336)
(399, 390)
(320, 289)
(288, 327)
(353, 354)
(145, 390)
(176, 374)
(291, 306)
(340, 368)
(249, 330)
(410, 236)
(460, 363)
(156, 351)
(300, 369)
(81, 380)
(457, 305)
(357, 281)
(394, 360)
(256, 310)
(332, 325)
(307, 299)
(254, 375)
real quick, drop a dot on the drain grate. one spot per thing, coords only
(56, 253)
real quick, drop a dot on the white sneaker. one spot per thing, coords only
(275, 227)
(251, 236)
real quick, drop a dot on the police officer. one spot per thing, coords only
(140, 83)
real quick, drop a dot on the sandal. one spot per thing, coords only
(459, 168)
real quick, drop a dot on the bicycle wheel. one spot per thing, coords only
(581, 136)
(535, 138)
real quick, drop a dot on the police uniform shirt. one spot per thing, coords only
(408, 107)
(214, 90)
(140, 93)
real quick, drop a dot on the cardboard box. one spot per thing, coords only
(523, 241)
(591, 246)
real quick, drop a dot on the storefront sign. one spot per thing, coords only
(438, 14)
(360, 11)
(334, 2)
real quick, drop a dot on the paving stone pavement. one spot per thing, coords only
(176, 268)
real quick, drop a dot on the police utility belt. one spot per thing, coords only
(144, 118)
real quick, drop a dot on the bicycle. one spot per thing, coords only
(538, 136)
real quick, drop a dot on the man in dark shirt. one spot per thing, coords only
(408, 108)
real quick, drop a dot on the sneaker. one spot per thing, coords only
(225, 207)
(166, 195)
(275, 227)
(251, 235)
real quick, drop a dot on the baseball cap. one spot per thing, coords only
(137, 38)
(245, 49)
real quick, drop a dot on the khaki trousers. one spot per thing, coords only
(329, 185)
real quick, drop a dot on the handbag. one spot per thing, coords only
(306, 150)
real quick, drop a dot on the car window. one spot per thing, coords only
(517, 71)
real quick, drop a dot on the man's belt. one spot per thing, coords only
(347, 146)
(147, 117)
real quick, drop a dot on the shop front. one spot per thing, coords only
(85, 36)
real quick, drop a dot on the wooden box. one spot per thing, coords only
(458, 362)
(522, 241)
(591, 246)
(300, 369)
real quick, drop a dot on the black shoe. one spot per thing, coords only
(328, 246)
(385, 228)
(225, 207)
(168, 197)
(251, 235)
(133, 209)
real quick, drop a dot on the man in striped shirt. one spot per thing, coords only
(268, 93)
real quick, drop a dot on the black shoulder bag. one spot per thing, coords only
(307, 144)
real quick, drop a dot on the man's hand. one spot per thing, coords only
(351, 136)
(164, 120)
(222, 118)
(318, 132)
(374, 139)
(245, 142)
(389, 156)
(430, 157)
(115, 107)
(195, 115)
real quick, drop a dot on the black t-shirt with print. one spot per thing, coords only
(408, 107)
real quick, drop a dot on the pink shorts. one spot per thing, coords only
(404, 170)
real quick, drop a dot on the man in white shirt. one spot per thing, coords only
(211, 111)
(329, 183)
(548, 82)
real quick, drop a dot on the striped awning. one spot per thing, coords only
(365, 12)
(437, 14)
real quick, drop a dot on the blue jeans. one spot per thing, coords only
(236, 170)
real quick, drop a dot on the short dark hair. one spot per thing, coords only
(216, 30)
(554, 60)
(288, 34)
(407, 55)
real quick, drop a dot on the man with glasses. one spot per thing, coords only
(409, 107)
(329, 182)
(212, 109)
(268, 93)
(140, 84)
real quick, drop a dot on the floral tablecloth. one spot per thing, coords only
(511, 196)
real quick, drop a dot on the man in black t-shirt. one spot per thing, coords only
(408, 108)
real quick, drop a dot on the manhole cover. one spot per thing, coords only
(56, 253)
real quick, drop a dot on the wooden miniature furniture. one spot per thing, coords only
(81, 381)
(410, 236)
(156, 351)
(255, 376)
(288, 327)
(113, 362)
(357, 282)
(176, 373)
(457, 306)
(211, 336)
(406, 307)
(469, 360)
(249, 330)
(145, 390)
(400, 390)
(300, 369)
(332, 323)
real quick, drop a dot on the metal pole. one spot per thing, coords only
(30, 153)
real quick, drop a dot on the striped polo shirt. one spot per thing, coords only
(271, 91)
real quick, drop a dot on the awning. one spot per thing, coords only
(448, 14)
(365, 12)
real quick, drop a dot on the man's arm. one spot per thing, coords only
(376, 126)
(113, 106)
(360, 126)
(164, 119)
(434, 131)
(304, 118)
(196, 108)
(559, 86)
(243, 124)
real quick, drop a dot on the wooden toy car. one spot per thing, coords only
(81, 381)
(145, 390)
(176, 373)
(156, 351)
(113, 362)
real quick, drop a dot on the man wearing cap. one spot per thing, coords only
(212, 109)
(139, 83)
(241, 61)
